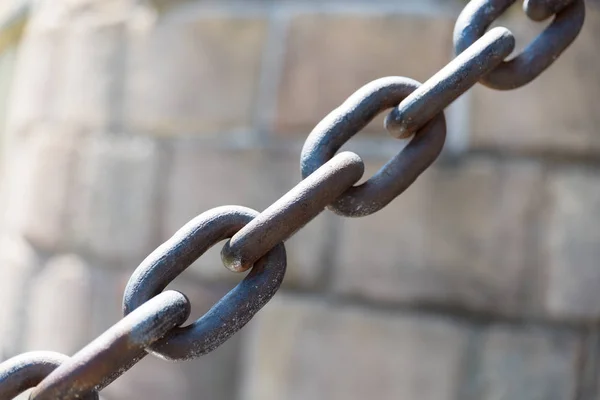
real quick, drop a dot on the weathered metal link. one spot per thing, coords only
(539, 10)
(233, 311)
(478, 15)
(153, 318)
(451, 82)
(116, 350)
(292, 211)
(352, 116)
(25, 371)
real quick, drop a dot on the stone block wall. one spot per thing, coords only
(128, 118)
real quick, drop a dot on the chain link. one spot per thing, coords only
(234, 310)
(478, 15)
(153, 318)
(116, 350)
(291, 212)
(448, 84)
(27, 370)
(539, 10)
(352, 116)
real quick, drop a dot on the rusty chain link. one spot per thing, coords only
(153, 318)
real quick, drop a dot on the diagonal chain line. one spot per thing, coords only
(153, 318)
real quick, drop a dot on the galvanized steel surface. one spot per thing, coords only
(153, 319)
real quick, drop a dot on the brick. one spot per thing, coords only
(38, 199)
(552, 114)
(571, 244)
(115, 196)
(96, 193)
(59, 310)
(18, 265)
(194, 75)
(37, 86)
(81, 44)
(78, 49)
(90, 95)
(144, 382)
(461, 236)
(328, 57)
(203, 177)
(302, 349)
(525, 364)
(106, 294)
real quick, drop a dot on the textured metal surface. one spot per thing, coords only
(478, 15)
(234, 310)
(116, 350)
(449, 83)
(25, 371)
(352, 116)
(153, 317)
(292, 211)
(539, 10)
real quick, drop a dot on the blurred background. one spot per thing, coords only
(121, 120)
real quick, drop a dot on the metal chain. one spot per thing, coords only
(153, 318)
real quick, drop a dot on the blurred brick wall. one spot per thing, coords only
(127, 119)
